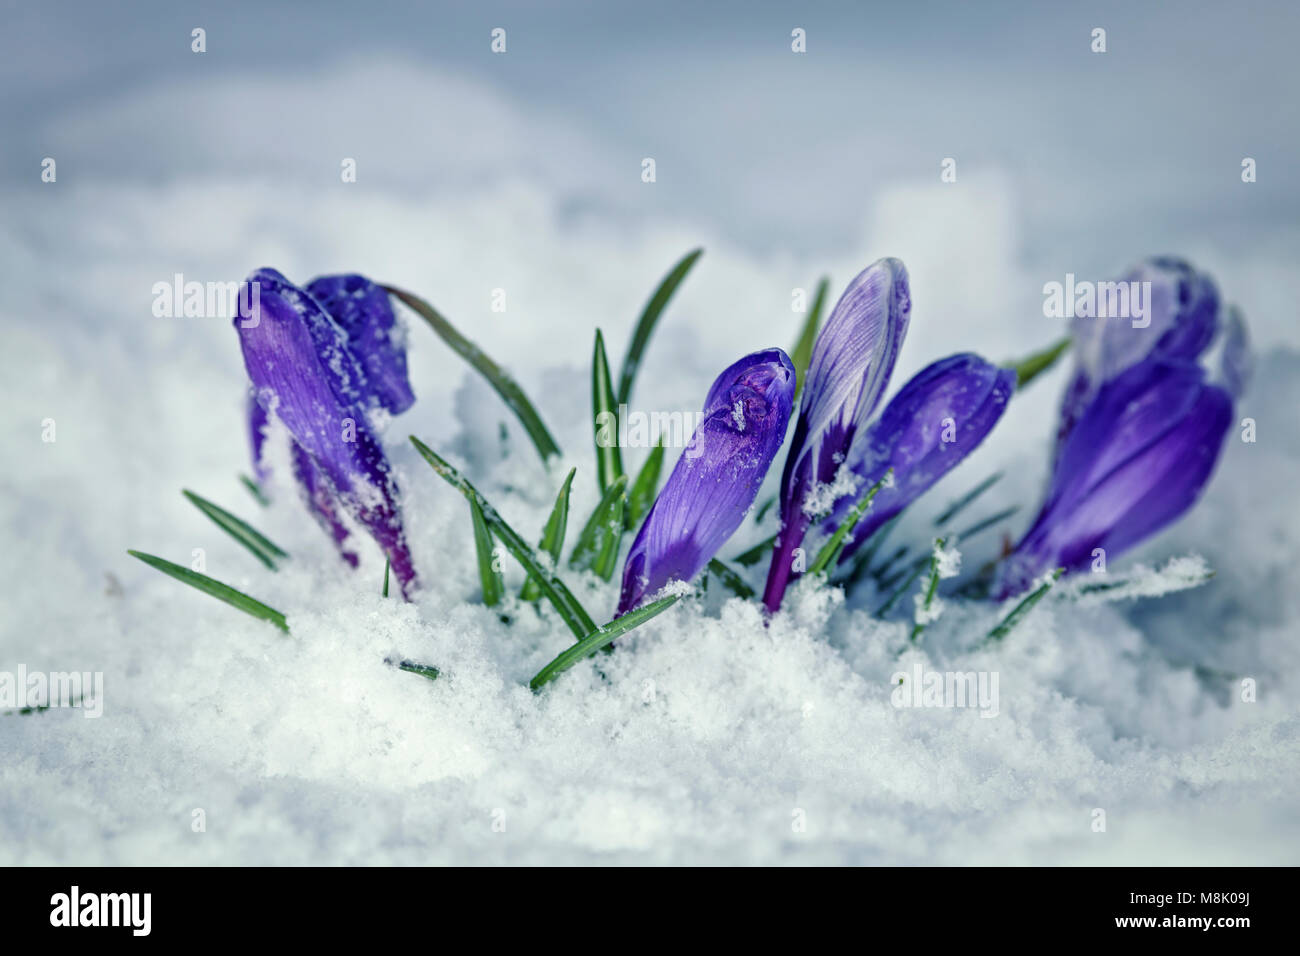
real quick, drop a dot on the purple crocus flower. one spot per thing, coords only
(938, 418)
(851, 362)
(305, 371)
(363, 310)
(716, 478)
(1138, 457)
(1180, 321)
(1142, 425)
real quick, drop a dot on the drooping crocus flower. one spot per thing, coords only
(716, 478)
(851, 362)
(938, 418)
(1138, 457)
(305, 371)
(1181, 309)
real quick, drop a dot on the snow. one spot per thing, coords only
(705, 737)
(948, 561)
(821, 497)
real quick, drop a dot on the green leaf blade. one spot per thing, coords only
(1017, 614)
(931, 588)
(255, 490)
(756, 553)
(214, 588)
(832, 549)
(801, 354)
(497, 377)
(566, 605)
(607, 558)
(552, 542)
(424, 670)
(599, 639)
(597, 546)
(956, 507)
(900, 591)
(1031, 366)
(641, 496)
(261, 547)
(604, 412)
(733, 581)
(489, 578)
(645, 325)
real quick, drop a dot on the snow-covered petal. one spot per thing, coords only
(377, 340)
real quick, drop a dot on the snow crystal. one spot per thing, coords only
(821, 498)
(926, 612)
(1138, 581)
(738, 415)
(947, 560)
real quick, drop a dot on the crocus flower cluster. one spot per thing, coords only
(1142, 427)
(329, 362)
(715, 480)
(935, 420)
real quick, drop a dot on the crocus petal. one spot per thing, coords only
(1182, 312)
(257, 423)
(319, 498)
(851, 362)
(1139, 458)
(302, 372)
(716, 478)
(377, 340)
(938, 418)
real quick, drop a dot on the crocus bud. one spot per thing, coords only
(363, 310)
(851, 362)
(304, 373)
(710, 489)
(1181, 309)
(938, 418)
(1138, 457)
